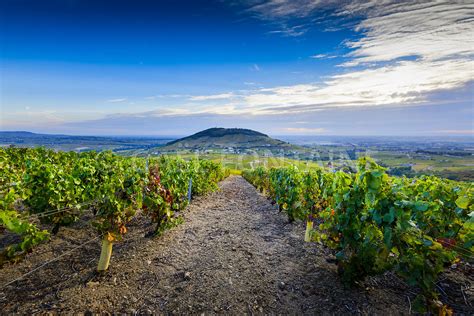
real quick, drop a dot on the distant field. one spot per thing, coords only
(237, 163)
(421, 162)
(452, 167)
(461, 168)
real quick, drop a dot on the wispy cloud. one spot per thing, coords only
(283, 13)
(163, 96)
(304, 130)
(211, 97)
(293, 31)
(406, 52)
(282, 9)
(403, 83)
(323, 56)
(438, 30)
(117, 100)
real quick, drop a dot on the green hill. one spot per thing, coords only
(225, 138)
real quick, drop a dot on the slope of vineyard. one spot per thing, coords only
(376, 223)
(234, 254)
(48, 189)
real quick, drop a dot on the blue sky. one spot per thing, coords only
(304, 67)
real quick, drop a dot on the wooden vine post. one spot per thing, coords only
(105, 255)
(309, 228)
(190, 189)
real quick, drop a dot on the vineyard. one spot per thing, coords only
(43, 190)
(235, 241)
(377, 223)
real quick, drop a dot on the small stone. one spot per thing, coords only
(92, 283)
(234, 249)
(454, 266)
(149, 262)
(187, 276)
(281, 285)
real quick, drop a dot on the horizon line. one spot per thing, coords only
(165, 136)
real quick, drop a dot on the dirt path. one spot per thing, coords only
(234, 254)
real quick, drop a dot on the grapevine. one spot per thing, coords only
(57, 187)
(375, 223)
